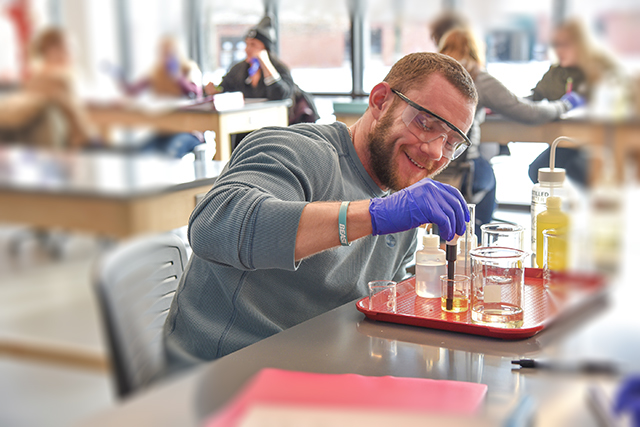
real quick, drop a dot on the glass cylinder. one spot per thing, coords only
(555, 255)
(502, 234)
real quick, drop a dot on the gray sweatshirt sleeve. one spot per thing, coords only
(401, 273)
(494, 95)
(249, 219)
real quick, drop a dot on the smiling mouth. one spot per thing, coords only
(414, 162)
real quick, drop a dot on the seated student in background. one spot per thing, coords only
(271, 239)
(47, 111)
(172, 76)
(580, 67)
(462, 45)
(263, 75)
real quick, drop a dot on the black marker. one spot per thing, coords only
(588, 367)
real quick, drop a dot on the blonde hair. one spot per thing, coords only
(594, 61)
(462, 45)
(164, 84)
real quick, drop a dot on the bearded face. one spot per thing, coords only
(387, 145)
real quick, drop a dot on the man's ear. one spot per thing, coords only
(380, 99)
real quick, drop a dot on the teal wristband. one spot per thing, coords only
(342, 224)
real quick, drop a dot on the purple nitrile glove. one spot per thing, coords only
(255, 65)
(426, 201)
(628, 399)
(573, 100)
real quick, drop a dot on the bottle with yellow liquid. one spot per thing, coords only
(551, 182)
(552, 219)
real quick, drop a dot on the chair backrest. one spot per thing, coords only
(135, 284)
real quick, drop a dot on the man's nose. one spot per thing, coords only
(433, 148)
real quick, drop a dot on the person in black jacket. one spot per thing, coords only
(261, 74)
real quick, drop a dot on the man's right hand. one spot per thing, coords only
(426, 201)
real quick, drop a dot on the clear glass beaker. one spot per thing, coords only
(455, 290)
(555, 255)
(502, 234)
(496, 286)
(382, 295)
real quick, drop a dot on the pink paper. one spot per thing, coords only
(351, 391)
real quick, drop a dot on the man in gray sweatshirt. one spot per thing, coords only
(301, 218)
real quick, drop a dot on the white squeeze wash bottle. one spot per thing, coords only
(551, 182)
(430, 265)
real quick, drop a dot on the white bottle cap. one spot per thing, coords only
(431, 241)
(554, 202)
(548, 175)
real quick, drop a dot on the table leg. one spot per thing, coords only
(223, 142)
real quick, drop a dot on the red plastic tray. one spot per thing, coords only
(541, 306)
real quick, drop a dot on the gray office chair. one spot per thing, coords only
(135, 284)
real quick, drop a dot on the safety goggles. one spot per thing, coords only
(428, 127)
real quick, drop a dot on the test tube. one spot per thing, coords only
(468, 242)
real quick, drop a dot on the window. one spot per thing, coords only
(225, 26)
(516, 36)
(314, 43)
(148, 22)
(395, 28)
(615, 25)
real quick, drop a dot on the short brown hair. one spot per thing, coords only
(415, 68)
(445, 22)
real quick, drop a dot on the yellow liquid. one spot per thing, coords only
(547, 220)
(459, 305)
(500, 314)
(557, 254)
